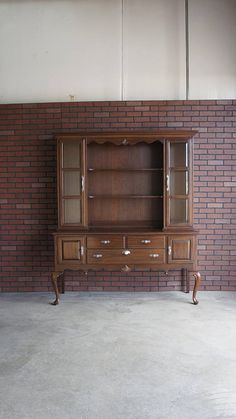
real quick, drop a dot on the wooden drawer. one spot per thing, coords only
(137, 256)
(105, 256)
(105, 241)
(147, 256)
(145, 241)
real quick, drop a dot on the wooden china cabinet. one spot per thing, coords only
(125, 203)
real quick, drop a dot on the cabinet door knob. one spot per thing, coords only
(154, 255)
(126, 252)
(167, 183)
(82, 250)
(105, 241)
(97, 255)
(82, 183)
(169, 250)
(145, 241)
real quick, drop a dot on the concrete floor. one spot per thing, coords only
(118, 356)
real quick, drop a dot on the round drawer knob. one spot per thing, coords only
(126, 268)
(126, 252)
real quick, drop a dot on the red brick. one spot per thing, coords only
(28, 189)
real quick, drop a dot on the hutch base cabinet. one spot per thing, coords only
(125, 203)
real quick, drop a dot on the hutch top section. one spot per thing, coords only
(125, 180)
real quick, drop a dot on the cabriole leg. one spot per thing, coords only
(54, 278)
(197, 277)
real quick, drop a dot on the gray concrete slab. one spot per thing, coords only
(118, 356)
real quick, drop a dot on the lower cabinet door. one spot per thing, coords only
(70, 250)
(181, 249)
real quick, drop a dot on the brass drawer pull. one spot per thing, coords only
(126, 252)
(105, 241)
(97, 255)
(145, 241)
(154, 255)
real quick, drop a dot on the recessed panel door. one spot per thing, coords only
(71, 250)
(181, 249)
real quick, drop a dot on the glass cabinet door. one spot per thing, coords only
(71, 182)
(178, 183)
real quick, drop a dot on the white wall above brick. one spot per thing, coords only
(51, 50)
(212, 49)
(59, 50)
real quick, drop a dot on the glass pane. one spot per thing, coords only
(71, 183)
(71, 154)
(178, 211)
(179, 154)
(72, 211)
(178, 183)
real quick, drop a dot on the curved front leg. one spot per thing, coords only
(54, 278)
(197, 277)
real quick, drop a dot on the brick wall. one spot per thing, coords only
(28, 189)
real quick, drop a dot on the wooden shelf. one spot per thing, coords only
(125, 196)
(152, 225)
(91, 170)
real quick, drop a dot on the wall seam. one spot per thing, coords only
(186, 49)
(122, 51)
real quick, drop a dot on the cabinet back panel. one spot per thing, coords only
(127, 183)
(126, 212)
(138, 156)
